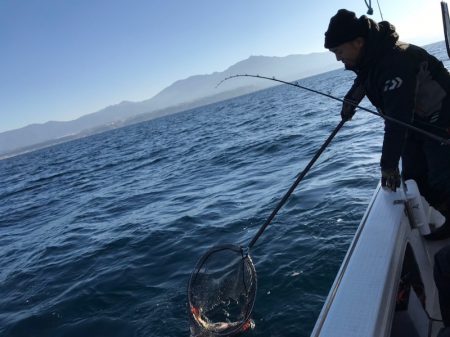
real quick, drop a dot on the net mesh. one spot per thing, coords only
(222, 292)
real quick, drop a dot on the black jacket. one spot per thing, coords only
(404, 82)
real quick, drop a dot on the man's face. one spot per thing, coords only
(349, 53)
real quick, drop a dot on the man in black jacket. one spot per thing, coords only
(404, 82)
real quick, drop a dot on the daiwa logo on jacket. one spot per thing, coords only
(393, 84)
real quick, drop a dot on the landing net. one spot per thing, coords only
(222, 292)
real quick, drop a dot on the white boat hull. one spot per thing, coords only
(362, 300)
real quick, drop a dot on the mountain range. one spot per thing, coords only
(184, 94)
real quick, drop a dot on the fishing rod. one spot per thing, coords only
(442, 140)
(300, 176)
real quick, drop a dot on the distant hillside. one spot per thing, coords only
(183, 94)
(290, 68)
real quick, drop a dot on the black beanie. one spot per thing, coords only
(344, 27)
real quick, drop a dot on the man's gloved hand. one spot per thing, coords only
(390, 178)
(353, 97)
(348, 109)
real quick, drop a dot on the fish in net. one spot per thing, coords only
(222, 292)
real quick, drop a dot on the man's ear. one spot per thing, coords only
(359, 41)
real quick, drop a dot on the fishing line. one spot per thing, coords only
(441, 140)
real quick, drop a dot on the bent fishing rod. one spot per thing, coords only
(441, 140)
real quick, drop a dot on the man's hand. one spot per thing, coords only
(353, 97)
(390, 179)
(348, 109)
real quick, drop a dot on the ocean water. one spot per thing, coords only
(98, 236)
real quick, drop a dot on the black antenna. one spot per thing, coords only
(446, 21)
(369, 7)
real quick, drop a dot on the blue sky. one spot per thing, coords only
(61, 59)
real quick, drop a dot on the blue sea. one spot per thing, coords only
(99, 236)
